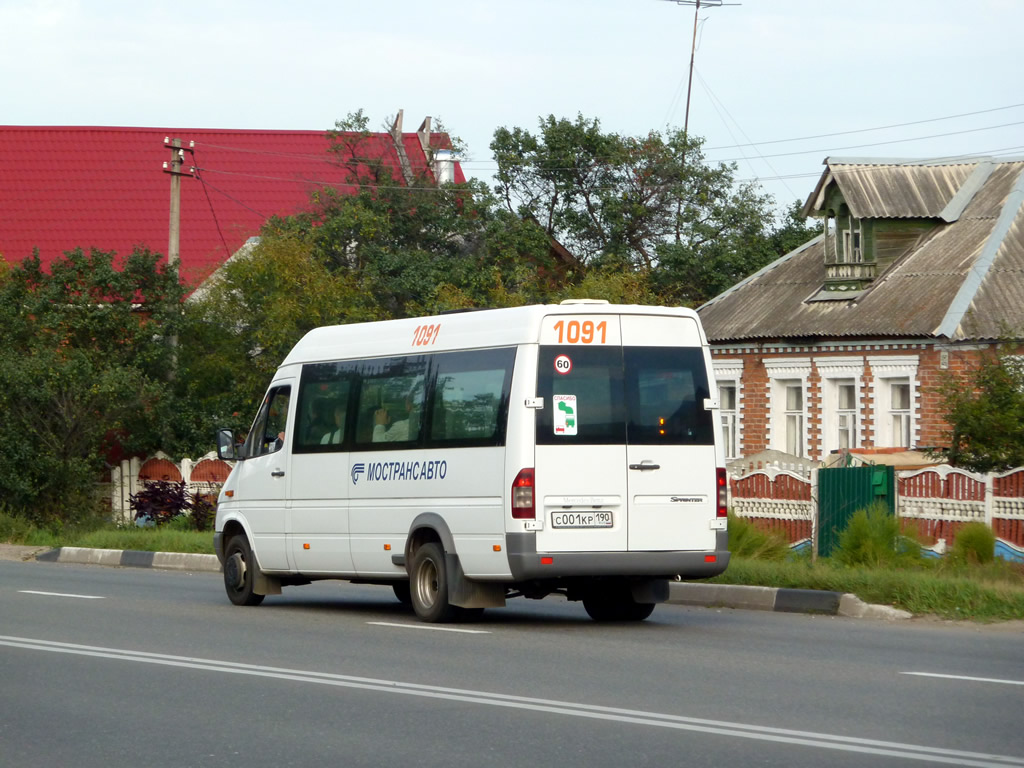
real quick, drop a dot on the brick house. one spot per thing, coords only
(841, 343)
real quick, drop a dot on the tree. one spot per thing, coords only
(84, 362)
(985, 413)
(243, 324)
(649, 204)
(415, 246)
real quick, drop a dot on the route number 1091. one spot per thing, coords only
(425, 334)
(587, 332)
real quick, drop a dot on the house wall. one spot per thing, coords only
(761, 373)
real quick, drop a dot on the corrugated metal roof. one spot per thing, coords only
(67, 187)
(965, 280)
(888, 191)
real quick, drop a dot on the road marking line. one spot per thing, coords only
(933, 755)
(427, 626)
(966, 677)
(60, 594)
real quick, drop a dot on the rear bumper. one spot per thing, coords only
(526, 565)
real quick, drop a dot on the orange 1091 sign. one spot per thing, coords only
(425, 335)
(581, 332)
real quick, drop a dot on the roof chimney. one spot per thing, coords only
(444, 167)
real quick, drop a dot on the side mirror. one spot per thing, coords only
(226, 445)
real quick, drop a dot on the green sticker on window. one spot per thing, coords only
(566, 414)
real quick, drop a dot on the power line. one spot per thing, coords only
(322, 183)
(715, 102)
(882, 166)
(881, 143)
(866, 130)
(213, 212)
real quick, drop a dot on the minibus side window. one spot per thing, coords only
(392, 392)
(470, 397)
(268, 431)
(665, 392)
(322, 419)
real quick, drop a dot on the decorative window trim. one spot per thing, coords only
(788, 368)
(831, 370)
(728, 369)
(778, 370)
(840, 367)
(731, 372)
(883, 370)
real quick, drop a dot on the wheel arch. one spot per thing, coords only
(431, 527)
(427, 527)
(237, 526)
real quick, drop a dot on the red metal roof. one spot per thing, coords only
(63, 188)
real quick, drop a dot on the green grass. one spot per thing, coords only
(991, 593)
(170, 538)
(147, 540)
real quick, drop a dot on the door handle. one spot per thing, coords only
(277, 473)
(644, 466)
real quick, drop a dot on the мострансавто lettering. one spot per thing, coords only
(386, 471)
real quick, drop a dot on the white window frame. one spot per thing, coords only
(887, 371)
(853, 252)
(847, 415)
(781, 373)
(833, 372)
(730, 373)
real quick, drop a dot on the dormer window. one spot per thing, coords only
(850, 267)
(852, 251)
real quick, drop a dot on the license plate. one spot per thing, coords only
(581, 519)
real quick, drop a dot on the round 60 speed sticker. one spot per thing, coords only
(563, 364)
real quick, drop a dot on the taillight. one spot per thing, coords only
(723, 493)
(522, 496)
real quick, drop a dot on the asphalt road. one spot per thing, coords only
(124, 667)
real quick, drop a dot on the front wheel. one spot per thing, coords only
(428, 585)
(239, 572)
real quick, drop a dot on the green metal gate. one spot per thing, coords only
(844, 490)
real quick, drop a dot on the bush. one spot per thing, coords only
(873, 538)
(975, 544)
(14, 529)
(749, 541)
(162, 502)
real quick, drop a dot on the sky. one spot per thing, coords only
(778, 85)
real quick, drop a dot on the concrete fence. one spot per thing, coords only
(203, 477)
(934, 502)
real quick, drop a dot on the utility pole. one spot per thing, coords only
(175, 169)
(693, 48)
(174, 227)
(689, 82)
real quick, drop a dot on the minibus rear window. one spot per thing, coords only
(610, 395)
(665, 392)
(583, 396)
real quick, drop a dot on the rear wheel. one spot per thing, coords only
(614, 602)
(239, 572)
(428, 582)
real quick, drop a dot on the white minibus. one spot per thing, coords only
(475, 456)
